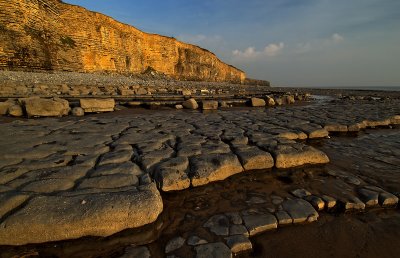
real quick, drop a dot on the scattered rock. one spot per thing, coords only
(16, 111)
(300, 210)
(78, 111)
(352, 203)
(329, 201)
(178, 107)
(388, 199)
(270, 101)
(174, 244)
(336, 128)
(370, 198)
(186, 92)
(256, 102)
(316, 202)
(289, 99)
(141, 91)
(36, 107)
(300, 193)
(213, 250)
(258, 223)
(195, 240)
(209, 105)
(190, 104)
(218, 224)
(97, 105)
(4, 106)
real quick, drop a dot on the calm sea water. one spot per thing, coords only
(384, 88)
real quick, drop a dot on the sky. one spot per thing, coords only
(306, 43)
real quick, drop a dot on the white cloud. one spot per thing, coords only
(336, 38)
(251, 52)
(274, 49)
(319, 44)
(200, 39)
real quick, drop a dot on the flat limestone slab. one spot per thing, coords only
(288, 156)
(214, 167)
(97, 105)
(258, 223)
(56, 218)
(300, 210)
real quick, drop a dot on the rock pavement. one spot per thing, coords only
(98, 175)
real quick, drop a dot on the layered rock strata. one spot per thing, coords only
(52, 35)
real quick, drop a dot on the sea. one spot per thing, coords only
(380, 88)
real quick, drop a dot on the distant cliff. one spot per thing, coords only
(52, 35)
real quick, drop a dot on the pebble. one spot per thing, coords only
(174, 244)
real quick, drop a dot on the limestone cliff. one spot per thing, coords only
(52, 35)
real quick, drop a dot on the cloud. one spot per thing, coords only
(319, 44)
(269, 51)
(200, 39)
(336, 38)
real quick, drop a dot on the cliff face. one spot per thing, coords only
(51, 35)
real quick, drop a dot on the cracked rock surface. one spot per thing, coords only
(98, 175)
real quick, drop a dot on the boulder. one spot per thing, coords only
(186, 92)
(289, 99)
(97, 105)
(78, 111)
(56, 218)
(15, 110)
(39, 107)
(141, 91)
(270, 101)
(256, 102)
(190, 104)
(278, 101)
(210, 105)
(4, 106)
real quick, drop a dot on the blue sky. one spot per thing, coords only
(289, 42)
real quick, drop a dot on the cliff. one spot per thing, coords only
(52, 35)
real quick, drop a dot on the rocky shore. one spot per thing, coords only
(98, 175)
